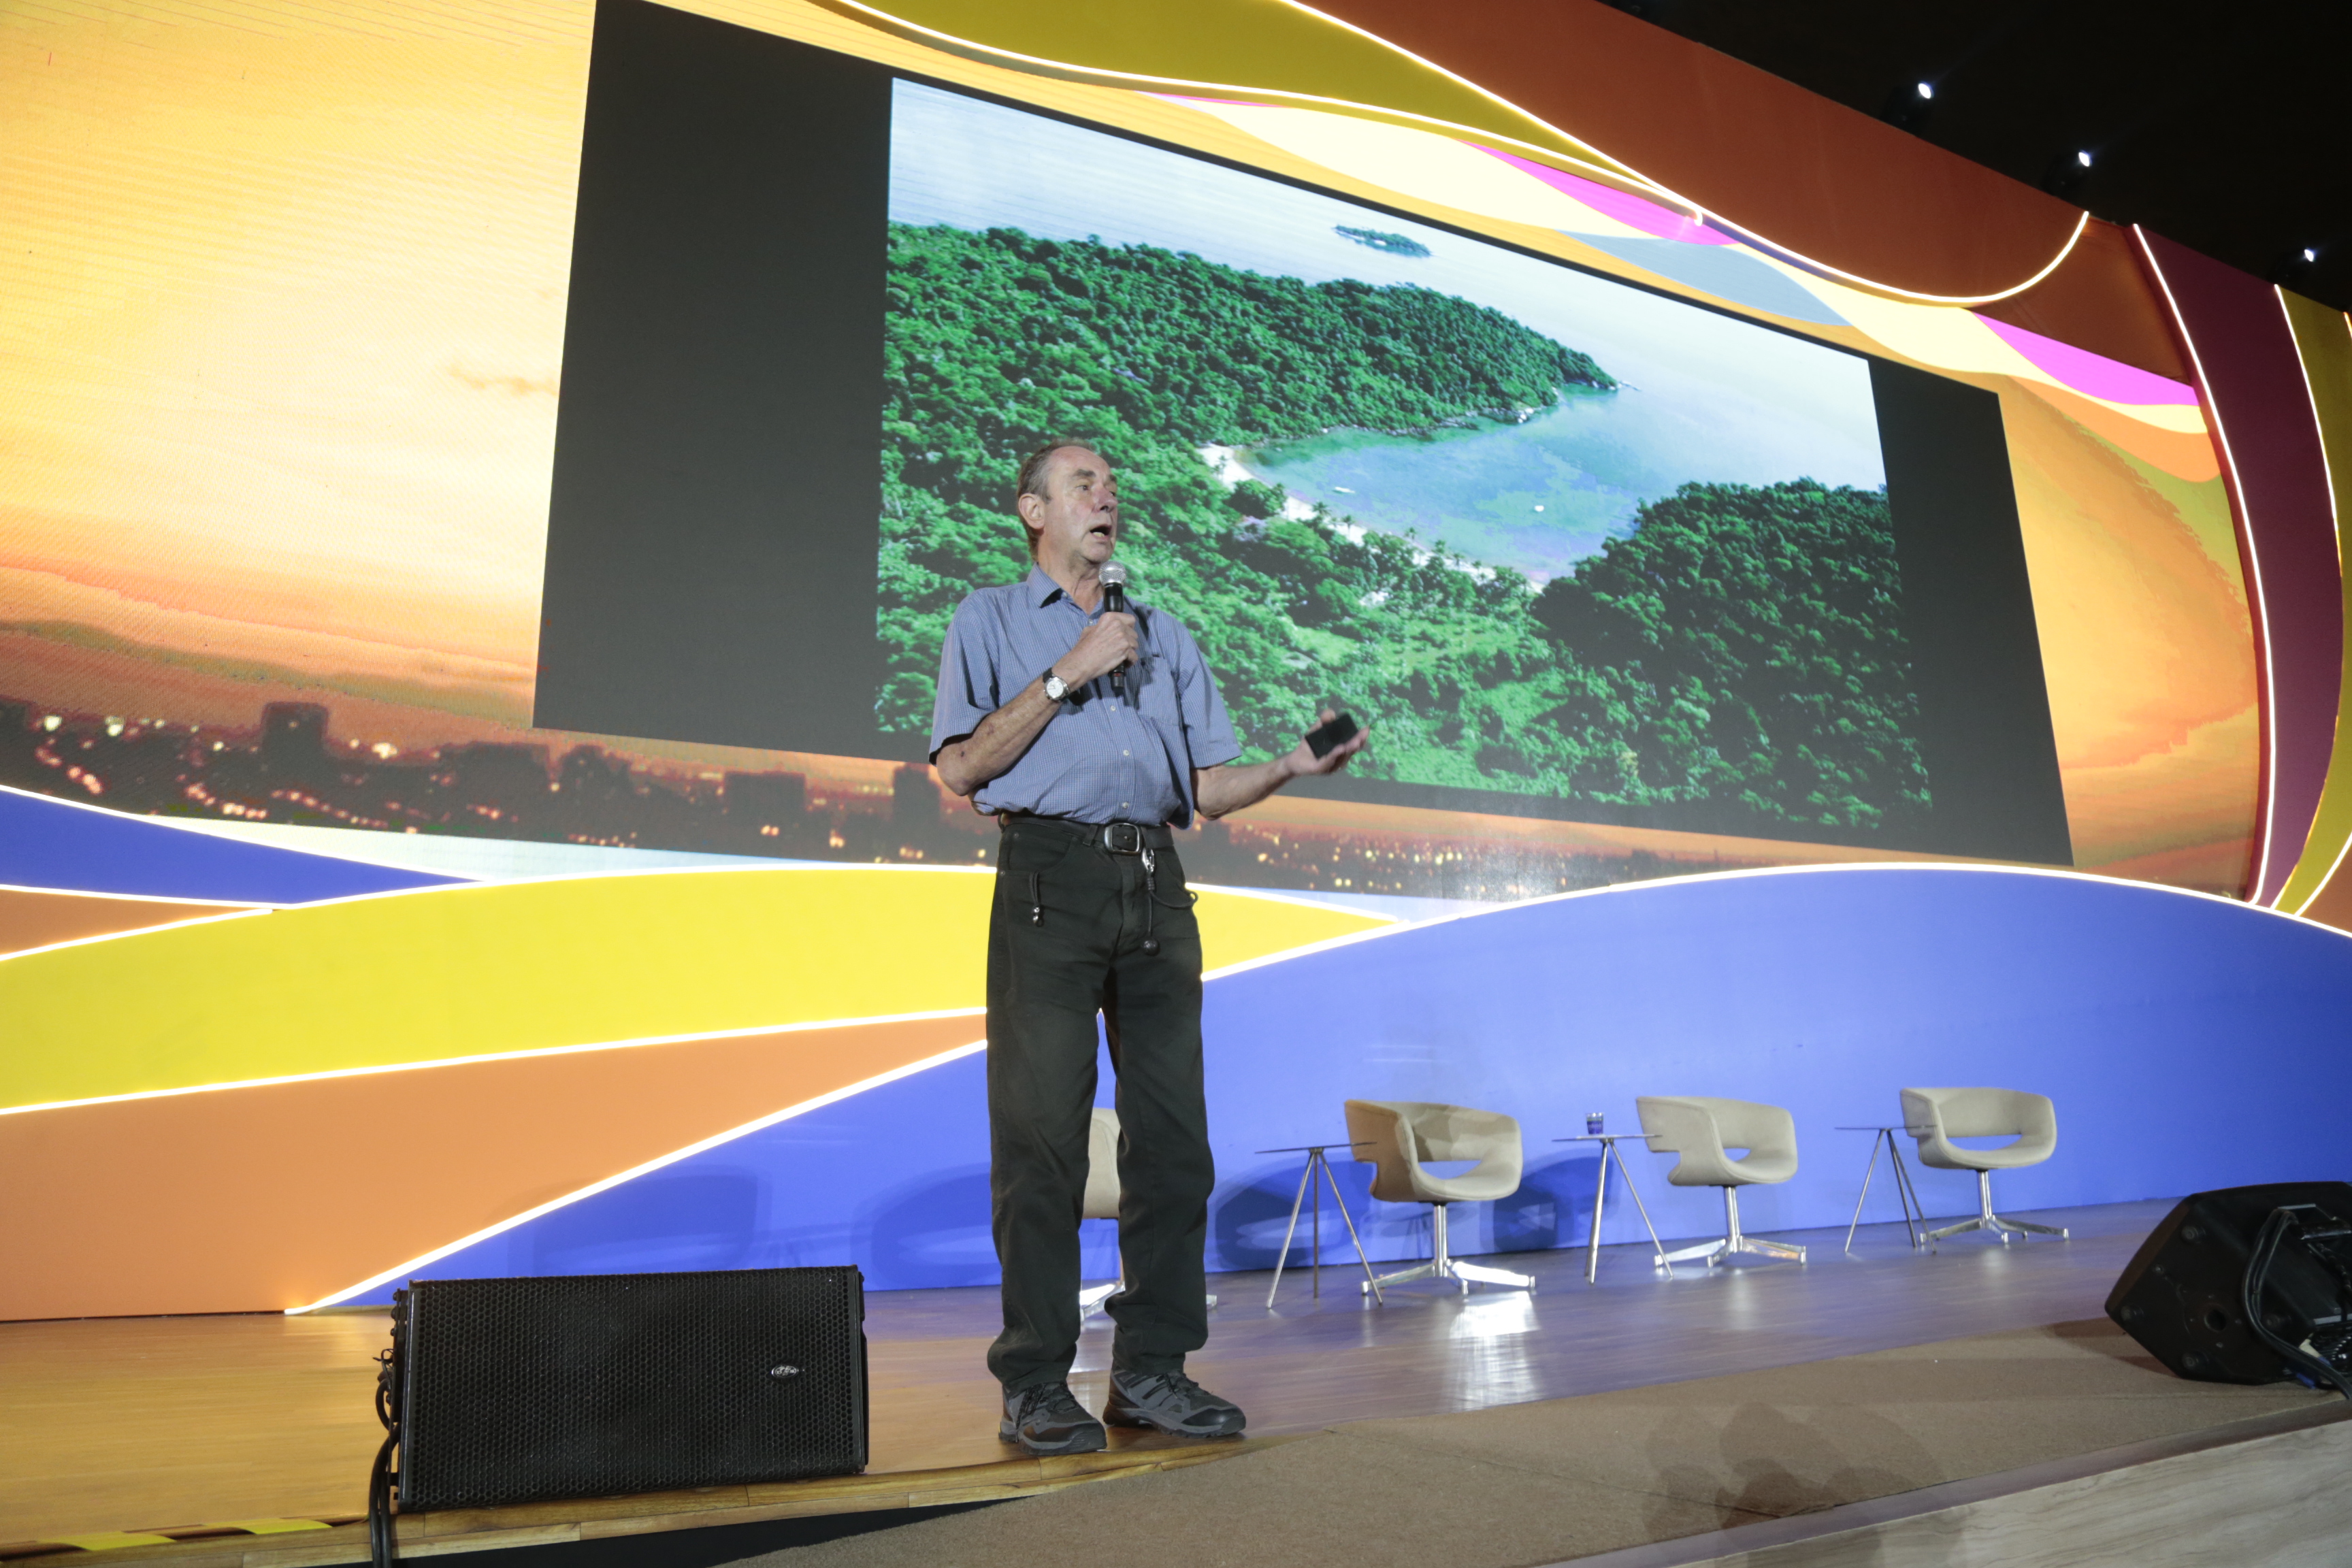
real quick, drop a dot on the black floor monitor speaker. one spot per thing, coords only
(2184, 1295)
(508, 1391)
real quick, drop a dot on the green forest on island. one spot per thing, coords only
(1735, 664)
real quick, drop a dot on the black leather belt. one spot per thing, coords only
(1118, 838)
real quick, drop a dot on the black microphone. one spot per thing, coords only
(1113, 577)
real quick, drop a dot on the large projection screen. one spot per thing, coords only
(1577, 550)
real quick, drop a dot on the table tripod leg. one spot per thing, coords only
(1867, 1172)
(1362, 1257)
(1912, 1203)
(1599, 1200)
(1315, 1255)
(1283, 1256)
(1657, 1246)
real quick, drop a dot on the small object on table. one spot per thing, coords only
(1595, 1122)
(1904, 1193)
(1608, 1142)
(1317, 1161)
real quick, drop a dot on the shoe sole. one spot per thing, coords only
(1086, 1442)
(1131, 1417)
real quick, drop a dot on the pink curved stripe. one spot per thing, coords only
(1633, 212)
(2088, 372)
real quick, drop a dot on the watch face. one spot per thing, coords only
(1056, 688)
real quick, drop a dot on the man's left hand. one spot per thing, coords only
(1302, 762)
(1231, 787)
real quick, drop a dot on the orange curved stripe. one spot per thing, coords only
(2185, 454)
(30, 917)
(266, 1198)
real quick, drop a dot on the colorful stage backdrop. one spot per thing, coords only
(480, 487)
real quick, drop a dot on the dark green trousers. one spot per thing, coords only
(1049, 978)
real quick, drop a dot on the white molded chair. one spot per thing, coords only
(1397, 1136)
(1934, 1117)
(1101, 1200)
(1702, 1130)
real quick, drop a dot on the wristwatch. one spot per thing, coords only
(1056, 689)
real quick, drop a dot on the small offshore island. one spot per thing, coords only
(1736, 665)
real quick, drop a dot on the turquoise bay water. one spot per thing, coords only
(1538, 496)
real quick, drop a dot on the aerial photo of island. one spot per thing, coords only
(1550, 535)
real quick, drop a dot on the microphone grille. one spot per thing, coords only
(1113, 574)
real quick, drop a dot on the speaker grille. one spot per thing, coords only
(525, 1390)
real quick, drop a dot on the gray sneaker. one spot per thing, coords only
(1170, 1402)
(1049, 1420)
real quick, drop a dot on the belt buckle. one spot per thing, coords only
(1122, 838)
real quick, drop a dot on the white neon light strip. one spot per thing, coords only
(402, 1270)
(2253, 565)
(131, 897)
(1475, 134)
(454, 889)
(1628, 889)
(1380, 934)
(2336, 520)
(96, 938)
(523, 1055)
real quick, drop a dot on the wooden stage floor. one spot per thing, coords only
(142, 1424)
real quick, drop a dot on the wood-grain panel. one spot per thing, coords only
(139, 1423)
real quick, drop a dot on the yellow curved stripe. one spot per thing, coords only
(1417, 164)
(2322, 340)
(1216, 47)
(447, 972)
(1272, 48)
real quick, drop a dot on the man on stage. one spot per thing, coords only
(1089, 733)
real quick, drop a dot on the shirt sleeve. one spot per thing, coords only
(968, 676)
(1208, 731)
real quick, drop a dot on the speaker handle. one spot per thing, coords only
(389, 1382)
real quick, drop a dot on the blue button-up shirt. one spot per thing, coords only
(1101, 758)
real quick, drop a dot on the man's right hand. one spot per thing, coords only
(1108, 644)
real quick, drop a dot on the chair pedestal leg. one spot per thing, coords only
(1987, 1220)
(1735, 1241)
(1441, 1265)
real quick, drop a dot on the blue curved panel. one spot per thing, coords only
(2188, 1043)
(74, 848)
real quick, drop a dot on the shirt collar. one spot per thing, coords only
(1042, 588)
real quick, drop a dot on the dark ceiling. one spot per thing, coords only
(2228, 128)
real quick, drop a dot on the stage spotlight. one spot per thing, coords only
(2293, 265)
(1908, 104)
(2066, 173)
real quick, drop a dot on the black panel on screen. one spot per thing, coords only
(712, 528)
(1968, 603)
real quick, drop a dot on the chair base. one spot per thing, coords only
(1734, 1243)
(1715, 1252)
(1987, 1220)
(2004, 1228)
(1442, 1266)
